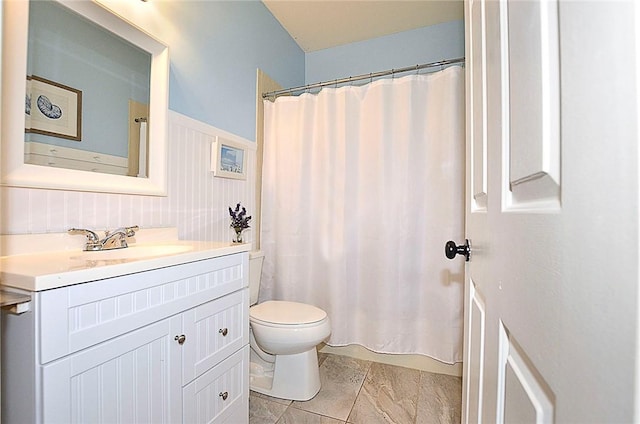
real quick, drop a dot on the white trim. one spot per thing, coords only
(417, 362)
(14, 172)
(176, 118)
(636, 396)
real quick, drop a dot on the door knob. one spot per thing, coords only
(451, 250)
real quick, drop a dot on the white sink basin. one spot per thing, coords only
(133, 252)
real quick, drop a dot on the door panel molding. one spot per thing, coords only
(531, 105)
(478, 104)
(523, 394)
(475, 355)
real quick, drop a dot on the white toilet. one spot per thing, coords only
(283, 336)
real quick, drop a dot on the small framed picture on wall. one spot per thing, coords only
(228, 159)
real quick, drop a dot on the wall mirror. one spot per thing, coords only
(90, 118)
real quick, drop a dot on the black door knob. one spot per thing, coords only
(451, 250)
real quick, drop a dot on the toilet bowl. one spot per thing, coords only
(283, 339)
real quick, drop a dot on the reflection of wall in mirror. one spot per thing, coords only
(70, 50)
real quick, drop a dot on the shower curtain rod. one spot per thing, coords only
(370, 76)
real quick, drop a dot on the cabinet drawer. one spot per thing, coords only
(214, 331)
(220, 393)
(76, 317)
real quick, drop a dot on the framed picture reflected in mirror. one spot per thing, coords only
(53, 109)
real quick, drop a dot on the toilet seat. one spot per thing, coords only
(285, 313)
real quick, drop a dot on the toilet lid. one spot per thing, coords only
(286, 313)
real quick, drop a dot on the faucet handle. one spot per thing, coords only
(128, 231)
(91, 236)
(131, 231)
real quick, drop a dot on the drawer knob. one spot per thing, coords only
(223, 331)
(224, 395)
(180, 339)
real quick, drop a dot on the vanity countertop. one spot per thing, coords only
(10, 299)
(54, 269)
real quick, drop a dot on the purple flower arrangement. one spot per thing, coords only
(239, 221)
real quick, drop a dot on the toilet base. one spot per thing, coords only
(292, 377)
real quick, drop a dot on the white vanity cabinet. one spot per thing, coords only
(166, 345)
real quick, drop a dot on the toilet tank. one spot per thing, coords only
(255, 272)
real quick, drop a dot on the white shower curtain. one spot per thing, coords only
(362, 187)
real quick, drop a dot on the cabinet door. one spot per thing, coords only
(214, 331)
(134, 378)
(220, 395)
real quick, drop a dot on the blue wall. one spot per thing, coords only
(215, 49)
(408, 48)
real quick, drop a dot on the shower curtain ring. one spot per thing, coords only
(370, 77)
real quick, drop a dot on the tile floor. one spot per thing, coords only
(362, 392)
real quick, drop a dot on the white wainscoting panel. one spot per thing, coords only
(196, 204)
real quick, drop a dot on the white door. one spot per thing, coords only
(551, 299)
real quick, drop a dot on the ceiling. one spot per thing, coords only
(317, 25)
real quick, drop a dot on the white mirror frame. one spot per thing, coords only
(13, 171)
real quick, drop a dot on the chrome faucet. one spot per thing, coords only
(116, 239)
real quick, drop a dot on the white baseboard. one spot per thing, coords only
(419, 362)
